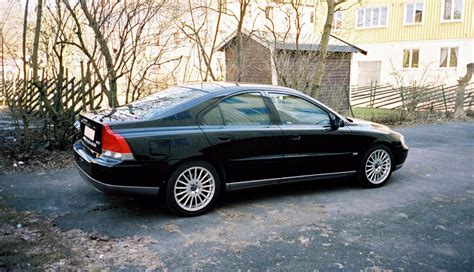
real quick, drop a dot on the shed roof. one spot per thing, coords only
(306, 42)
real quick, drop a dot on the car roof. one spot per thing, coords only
(223, 88)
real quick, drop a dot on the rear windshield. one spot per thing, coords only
(162, 101)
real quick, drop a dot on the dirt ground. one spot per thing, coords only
(422, 220)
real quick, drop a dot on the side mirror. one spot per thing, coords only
(337, 123)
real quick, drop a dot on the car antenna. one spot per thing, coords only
(108, 115)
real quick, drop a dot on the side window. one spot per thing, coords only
(213, 117)
(246, 109)
(296, 111)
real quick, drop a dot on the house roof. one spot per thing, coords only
(306, 42)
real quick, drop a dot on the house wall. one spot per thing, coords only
(256, 62)
(428, 72)
(336, 79)
(432, 27)
(386, 44)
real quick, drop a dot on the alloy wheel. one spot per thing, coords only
(378, 166)
(194, 188)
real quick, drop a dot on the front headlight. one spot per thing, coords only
(402, 140)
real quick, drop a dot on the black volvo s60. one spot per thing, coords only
(191, 143)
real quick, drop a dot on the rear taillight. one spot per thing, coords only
(114, 145)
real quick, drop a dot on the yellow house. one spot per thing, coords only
(408, 41)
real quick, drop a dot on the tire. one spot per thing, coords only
(192, 189)
(375, 167)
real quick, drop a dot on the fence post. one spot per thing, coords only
(90, 90)
(444, 100)
(83, 87)
(348, 93)
(402, 97)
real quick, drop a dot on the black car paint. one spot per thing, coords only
(245, 156)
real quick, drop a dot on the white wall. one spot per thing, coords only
(428, 72)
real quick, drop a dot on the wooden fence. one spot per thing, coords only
(68, 95)
(436, 98)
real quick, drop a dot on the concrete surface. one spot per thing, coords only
(422, 220)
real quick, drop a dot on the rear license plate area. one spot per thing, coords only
(89, 133)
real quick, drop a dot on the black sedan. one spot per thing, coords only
(191, 143)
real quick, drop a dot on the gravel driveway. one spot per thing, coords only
(422, 220)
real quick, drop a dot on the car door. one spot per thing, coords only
(244, 137)
(311, 146)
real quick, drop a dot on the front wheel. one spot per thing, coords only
(192, 188)
(376, 167)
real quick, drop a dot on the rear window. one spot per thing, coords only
(162, 101)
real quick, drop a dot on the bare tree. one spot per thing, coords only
(34, 55)
(460, 91)
(323, 47)
(243, 5)
(113, 35)
(203, 24)
(25, 120)
(195, 24)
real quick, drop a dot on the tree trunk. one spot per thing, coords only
(24, 119)
(34, 55)
(463, 81)
(323, 48)
(243, 4)
(238, 76)
(104, 49)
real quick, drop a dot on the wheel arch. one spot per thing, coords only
(214, 163)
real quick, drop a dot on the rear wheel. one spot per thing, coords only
(376, 167)
(192, 188)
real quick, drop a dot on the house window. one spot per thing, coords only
(449, 57)
(372, 17)
(452, 10)
(411, 58)
(337, 21)
(414, 12)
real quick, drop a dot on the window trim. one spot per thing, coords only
(448, 61)
(372, 27)
(277, 114)
(271, 112)
(410, 65)
(443, 6)
(414, 13)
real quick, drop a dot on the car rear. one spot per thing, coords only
(104, 158)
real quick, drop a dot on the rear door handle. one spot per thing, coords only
(294, 138)
(224, 139)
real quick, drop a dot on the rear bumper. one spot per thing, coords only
(109, 176)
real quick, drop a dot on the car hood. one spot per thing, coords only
(368, 124)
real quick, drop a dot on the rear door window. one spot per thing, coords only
(247, 109)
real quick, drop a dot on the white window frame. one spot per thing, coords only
(410, 59)
(363, 16)
(413, 2)
(443, 6)
(448, 60)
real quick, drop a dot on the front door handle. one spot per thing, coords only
(294, 138)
